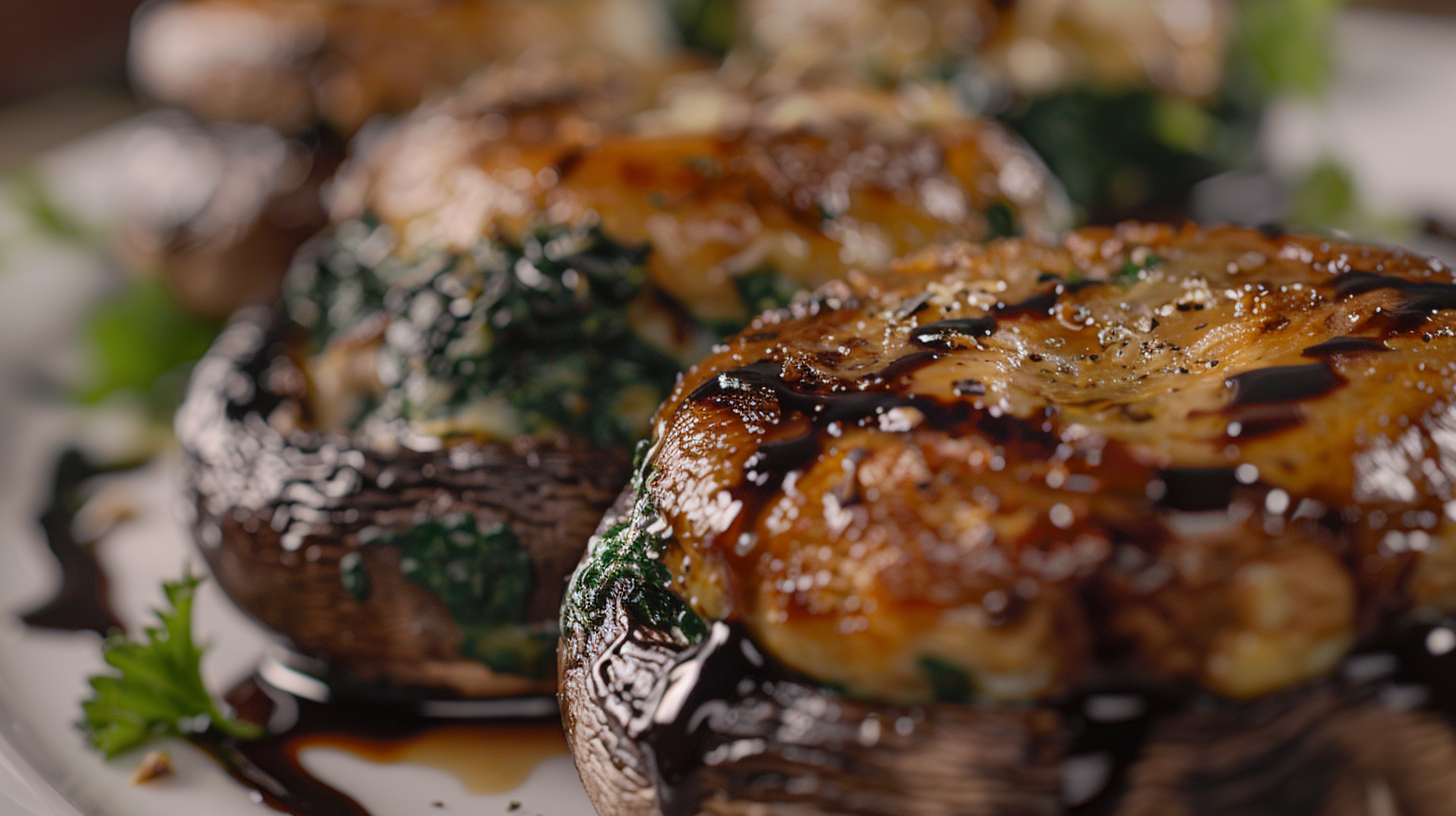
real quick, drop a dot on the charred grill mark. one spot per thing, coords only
(768, 467)
(1261, 420)
(1344, 345)
(1263, 756)
(1263, 399)
(940, 334)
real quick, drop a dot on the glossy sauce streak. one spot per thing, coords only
(941, 334)
(1279, 384)
(722, 671)
(488, 757)
(839, 403)
(1418, 299)
(1039, 305)
(726, 693)
(82, 603)
(1344, 345)
(1195, 490)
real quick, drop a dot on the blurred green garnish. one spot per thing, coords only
(29, 195)
(1286, 45)
(142, 340)
(709, 26)
(156, 689)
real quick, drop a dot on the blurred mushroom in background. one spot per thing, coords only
(1130, 102)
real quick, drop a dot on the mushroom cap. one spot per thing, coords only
(1205, 470)
(287, 517)
(487, 338)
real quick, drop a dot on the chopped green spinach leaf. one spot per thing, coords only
(1001, 221)
(484, 578)
(1132, 272)
(625, 563)
(537, 334)
(708, 26)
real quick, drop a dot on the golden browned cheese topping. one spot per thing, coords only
(1215, 455)
(508, 264)
(803, 196)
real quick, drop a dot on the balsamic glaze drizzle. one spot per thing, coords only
(727, 680)
(941, 334)
(271, 765)
(711, 677)
(1038, 305)
(1418, 299)
(1344, 345)
(1281, 384)
(707, 717)
(1198, 489)
(767, 468)
(82, 602)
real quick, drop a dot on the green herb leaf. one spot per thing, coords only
(1286, 45)
(708, 26)
(30, 195)
(1132, 272)
(142, 340)
(540, 327)
(156, 689)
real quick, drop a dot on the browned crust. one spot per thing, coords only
(276, 510)
(1062, 437)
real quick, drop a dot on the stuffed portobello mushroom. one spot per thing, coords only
(1153, 521)
(398, 469)
(295, 63)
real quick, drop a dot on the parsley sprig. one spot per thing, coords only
(156, 689)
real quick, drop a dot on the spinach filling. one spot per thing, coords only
(762, 290)
(484, 578)
(625, 563)
(948, 682)
(1132, 272)
(536, 331)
